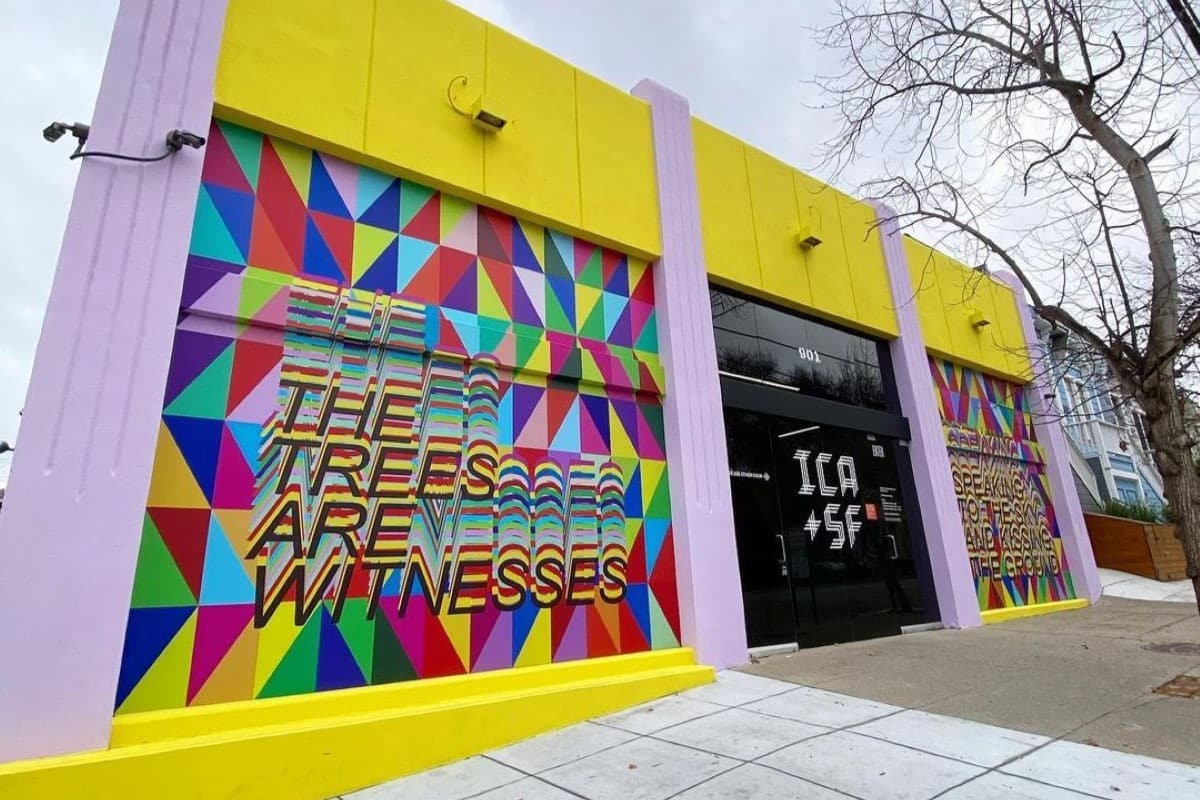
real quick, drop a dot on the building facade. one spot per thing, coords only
(448, 384)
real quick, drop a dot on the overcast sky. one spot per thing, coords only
(743, 65)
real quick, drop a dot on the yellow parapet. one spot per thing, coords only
(321, 745)
(1017, 612)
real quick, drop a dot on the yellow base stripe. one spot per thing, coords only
(1017, 612)
(321, 745)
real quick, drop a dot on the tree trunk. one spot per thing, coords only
(1173, 456)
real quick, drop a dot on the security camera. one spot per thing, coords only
(56, 130)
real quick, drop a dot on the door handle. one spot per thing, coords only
(782, 549)
(895, 549)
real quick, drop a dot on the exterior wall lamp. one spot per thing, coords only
(474, 108)
(978, 320)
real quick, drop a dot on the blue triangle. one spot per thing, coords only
(412, 255)
(566, 439)
(523, 618)
(199, 441)
(522, 253)
(613, 306)
(381, 275)
(465, 325)
(323, 194)
(318, 260)
(236, 210)
(225, 581)
(336, 666)
(564, 292)
(384, 209)
(633, 494)
(148, 633)
(249, 436)
(210, 235)
(637, 597)
(655, 533)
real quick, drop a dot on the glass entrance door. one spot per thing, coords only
(821, 532)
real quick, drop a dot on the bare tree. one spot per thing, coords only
(1051, 138)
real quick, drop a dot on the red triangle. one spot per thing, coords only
(635, 569)
(609, 260)
(283, 204)
(252, 361)
(185, 533)
(583, 251)
(217, 628)
(448, 339)
(599, 642)
(663, 583)
(425, 285)
(266, 248)
(558, 405)
(633, 640)
(427, 223)
(500, 227)
(455, 265)
(440, 656)
(338, 233)
(220, 165)
(644, 291)
(560, 620)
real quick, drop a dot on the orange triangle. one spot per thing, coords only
(266, 248)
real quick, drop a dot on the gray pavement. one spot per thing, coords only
(1082, 676)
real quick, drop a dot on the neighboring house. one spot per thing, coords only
(1106, 427)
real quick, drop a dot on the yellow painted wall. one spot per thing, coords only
(367, 80)
(947, 292)
(750, 207)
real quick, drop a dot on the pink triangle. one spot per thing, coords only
(261, 403)
(482, 624)
(464, 237)
(496, 653)
(410, 629)
(590, 439)
(217, 628)
(574, 641)
(535, 431)
(345, 179)
(274, 313)
(647, 445)
(235, 480)
(222, 299)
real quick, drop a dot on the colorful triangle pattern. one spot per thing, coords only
(514, 357)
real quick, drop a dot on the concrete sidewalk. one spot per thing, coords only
(1135, 587)
(1085, 676)
(752, 737)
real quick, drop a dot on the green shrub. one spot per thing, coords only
(1139, 511)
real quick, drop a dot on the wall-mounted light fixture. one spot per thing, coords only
(479, 110)
(978, 320)
(808, 229)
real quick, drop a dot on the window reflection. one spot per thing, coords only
(763, 343)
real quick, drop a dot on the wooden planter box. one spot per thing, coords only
(1138, 547)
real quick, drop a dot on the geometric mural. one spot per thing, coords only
(403, 436)
(1013, 538)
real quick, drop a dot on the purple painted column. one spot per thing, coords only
(940, 516)
(710, 596)
(72, 517)
(1081, 562)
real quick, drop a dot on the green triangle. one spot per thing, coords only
(258, 287)
(247, 149)
(528, 338)
(648, 339)
(359, 633)
(413, 197)
(491, 334)
(488, 302)
(592, 273)
(660, 504)
(297, 670)
(210, 237)
(593, 326)
(452, 211)
(556, 318)
(369, 244)
(391, 663)
(661, 634)
(205, 396)
(157, 581)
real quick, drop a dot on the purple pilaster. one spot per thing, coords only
(1081, 561)
(72, 517)
(940, 516)
(710, 598)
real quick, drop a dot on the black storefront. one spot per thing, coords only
(830, 547)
